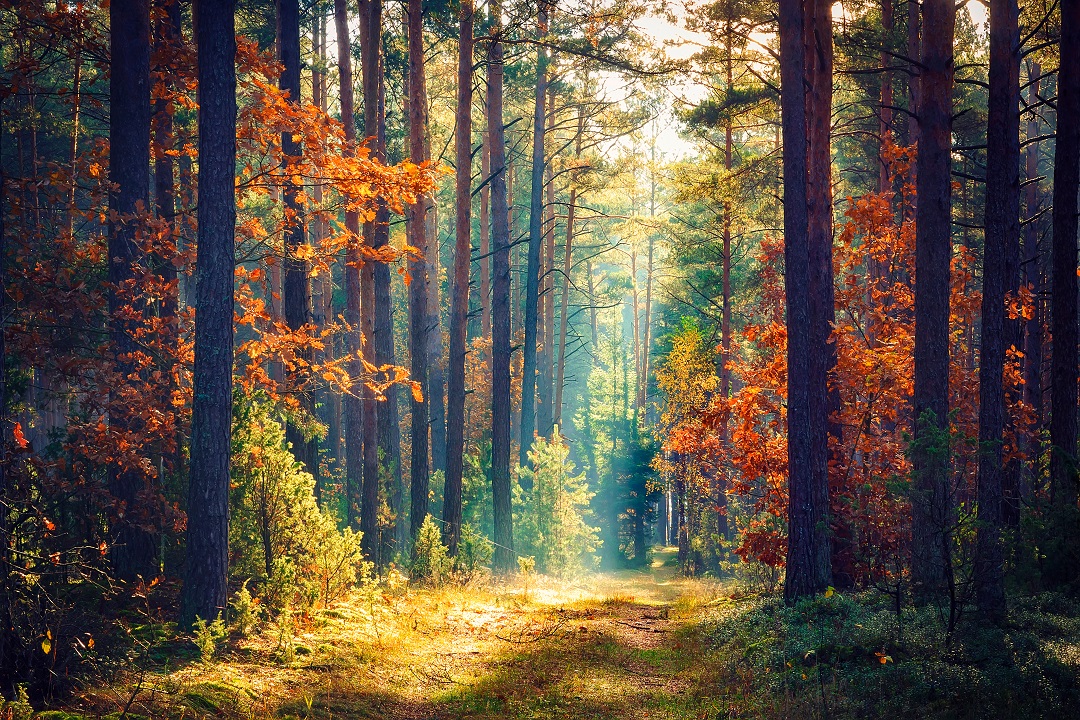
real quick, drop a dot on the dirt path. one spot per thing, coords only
(616, 645)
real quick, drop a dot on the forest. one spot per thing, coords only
(539, 359)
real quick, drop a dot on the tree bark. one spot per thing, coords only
(568, 264)
(353, 407)
(807, 568)
(1064, 481)
(932, 501)
(418, 304)
(500, 306)
(205, 590)
(545, 416)
(459, 310)
(485, 237)
(536, 228)
(1033, 273)
(133, 554)
(371, 76)
(1002, 225)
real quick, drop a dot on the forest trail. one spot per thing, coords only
(614, 645)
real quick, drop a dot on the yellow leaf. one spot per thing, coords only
(830, 591)
(46, 646)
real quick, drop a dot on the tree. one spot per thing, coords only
(932, 501)
(818, 55)
(500, 305)
(205, 590)
(134, 552)
(353, 407)
(1002, 229)
(370, 326)
(459, 309)
(296, 288)
(418, 301)
(1064, 480)
(808, 554)
(536, 239)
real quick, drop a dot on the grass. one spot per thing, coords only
(633, 644)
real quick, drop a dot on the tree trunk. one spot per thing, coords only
(205, 590)
(536, 228)
(932, 501)
(370, 320)
(1033, 273)
(807, 569)
(296, 292)
(545, 417)
(1002, 228)
(500, 307)
(1063, 471)
(133, 554)
(485, 237)
(353, 403)
(418, 305)
(436, 376)
(568, 264)
(459, 310)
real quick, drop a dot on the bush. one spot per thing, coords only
(245, 611)
(430, 563)
(474, 553)
(207, 636)
(278, 534)
(550, 519)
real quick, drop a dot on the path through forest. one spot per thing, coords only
(615, 645)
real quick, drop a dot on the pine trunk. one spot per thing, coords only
(205, 590)
(500, 306)
(932, 498)
(134, 553)
(459, 310)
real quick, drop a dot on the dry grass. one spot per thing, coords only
(606, 647)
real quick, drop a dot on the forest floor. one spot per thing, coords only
(615, 645)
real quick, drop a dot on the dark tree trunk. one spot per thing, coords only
(436, 376)
(459, 310)
(568, 254)
(418, 305)
(807, 570)
(353, 404)
(825, 433)
(546, 390)
(932, 501)
(536, 238)
(167, 39)
(485, 237)
(134, 551)
(371, 72)
(205, 590)
(1002, 228)
(500, 305)
(296, 291)
(1063, 560)
(1033, 328)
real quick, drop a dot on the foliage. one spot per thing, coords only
(208, 635)
(278, 533)
(551, 516)
(475, 551)
(856, 656)
(245, 610)
(430, 563)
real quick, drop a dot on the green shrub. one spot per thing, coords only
(278, 534)
(430, 563)
(207, 636)
(550, 519)
(245, 611)
(474, 553)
